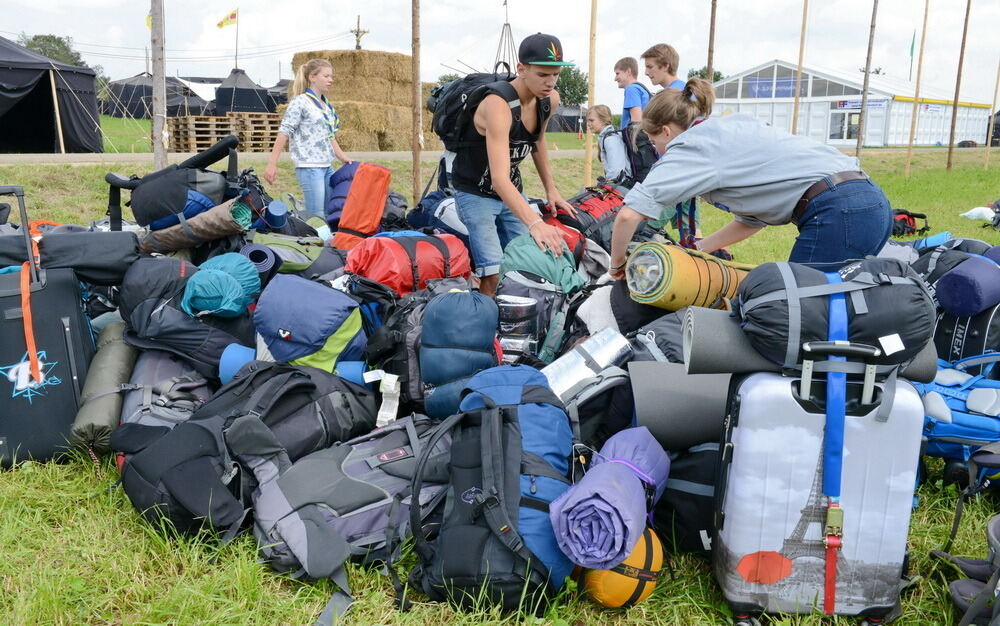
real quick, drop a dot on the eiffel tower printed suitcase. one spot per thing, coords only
(769, 551)
(45, 349)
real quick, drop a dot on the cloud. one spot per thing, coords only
(747, 34)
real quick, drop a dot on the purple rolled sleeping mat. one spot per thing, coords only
(598, 520)
(971, 287)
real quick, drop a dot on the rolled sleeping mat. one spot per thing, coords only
(671, 277)
(265, 259)
(713, 343)
(229, 218)
(518, 315)
(680, 409)
(101, 399)
(970, 288)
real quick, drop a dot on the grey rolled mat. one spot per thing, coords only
(681, 410)
(101, 399)
(713, 343)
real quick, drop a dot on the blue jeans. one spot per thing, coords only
(491, 227)
(315, 183)
(849, 221)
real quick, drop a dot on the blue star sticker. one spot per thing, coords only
(19, 376)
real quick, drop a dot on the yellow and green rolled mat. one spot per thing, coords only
(672, 277)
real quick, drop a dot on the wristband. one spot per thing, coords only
(538, 221)
(618, 267)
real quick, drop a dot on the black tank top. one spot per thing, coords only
(471, 169)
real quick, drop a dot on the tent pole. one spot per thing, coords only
(916, 93)
(864, 92)
(709, 68)
(55, 103)
(588, 161)
(159, 87)
(958, 86)
(993, 120)
(798, 71)
(415, 143)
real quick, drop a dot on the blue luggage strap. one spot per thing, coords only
(833, 445)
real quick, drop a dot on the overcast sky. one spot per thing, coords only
(112, 33)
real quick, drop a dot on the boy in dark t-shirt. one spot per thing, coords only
(508, 125)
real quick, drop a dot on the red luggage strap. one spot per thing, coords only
(833, 539)
(29, 328)
(409, 246)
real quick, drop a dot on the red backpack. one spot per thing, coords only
(596, 209)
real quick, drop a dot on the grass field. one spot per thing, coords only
(126, 135)
(75, 552)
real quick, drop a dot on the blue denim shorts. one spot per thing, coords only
(491, 227)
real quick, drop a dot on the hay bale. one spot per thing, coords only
(351, 140)
(391, 66)
(364, 89)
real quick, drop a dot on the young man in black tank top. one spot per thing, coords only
(511, 120)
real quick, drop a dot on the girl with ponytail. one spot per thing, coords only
(762, 175)
(310, 125)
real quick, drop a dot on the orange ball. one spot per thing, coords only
(631, 581)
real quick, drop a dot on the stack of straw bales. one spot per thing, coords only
(372, 94)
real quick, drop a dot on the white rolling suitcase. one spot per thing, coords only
(775, 548)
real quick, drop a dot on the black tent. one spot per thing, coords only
(567, 119)
(279, 92)
(133, 97)
(240, 94)
(46, 106)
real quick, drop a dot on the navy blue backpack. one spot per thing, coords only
(510, 458)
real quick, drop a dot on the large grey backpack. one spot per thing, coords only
(164, 390)
(351, 500)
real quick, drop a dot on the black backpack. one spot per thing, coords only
(187, 476)
(640, 151)
(904, 223)
(453, 104)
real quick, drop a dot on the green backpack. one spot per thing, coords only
(550, 280)
(296, 253)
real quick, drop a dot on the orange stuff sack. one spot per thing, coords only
(363, 206)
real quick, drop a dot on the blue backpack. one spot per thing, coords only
(963, 411)
(510, 458)
(962, 424)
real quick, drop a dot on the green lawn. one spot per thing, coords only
(77, 553)
(126, 135)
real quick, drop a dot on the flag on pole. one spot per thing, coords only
(229, 19)
(149, 20)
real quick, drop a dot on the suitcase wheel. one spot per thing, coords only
(745, 620)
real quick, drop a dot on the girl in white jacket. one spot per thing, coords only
(610, 144)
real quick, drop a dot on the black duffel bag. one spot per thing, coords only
(98, 258)
(783, 305)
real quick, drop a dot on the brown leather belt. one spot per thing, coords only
(821, 186)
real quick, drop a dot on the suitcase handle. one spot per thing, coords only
(18, 191)
(857, 351)
(835, 348)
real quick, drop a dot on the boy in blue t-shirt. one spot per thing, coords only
(636, 94)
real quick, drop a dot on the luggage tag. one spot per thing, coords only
(389, 388)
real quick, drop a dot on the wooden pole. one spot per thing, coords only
(864, 91)
(916, 92)
(416, 91)
(588, 163)
(993, 119)
(709, 70)
(55, 104)
(798, 71)
(958, 86)
(159, 86)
